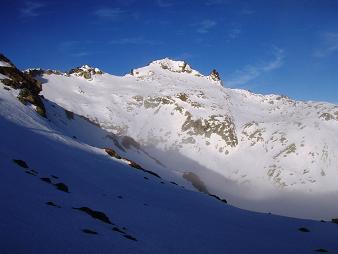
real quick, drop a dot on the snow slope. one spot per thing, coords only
(264, 153)
(64, 194)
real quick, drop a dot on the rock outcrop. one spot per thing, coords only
(28, 86)
(85, 71)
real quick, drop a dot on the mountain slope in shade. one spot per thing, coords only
(62, 193)
(264, 153)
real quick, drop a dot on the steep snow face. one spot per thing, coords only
(265, 153)
(61, 193)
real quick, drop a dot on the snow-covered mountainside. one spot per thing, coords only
(264, 153)
(70, 186)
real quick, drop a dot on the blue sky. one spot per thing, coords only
(284, 47)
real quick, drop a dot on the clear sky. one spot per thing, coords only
(286, 47)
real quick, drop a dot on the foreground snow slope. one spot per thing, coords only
(264, 153)
(64, 195)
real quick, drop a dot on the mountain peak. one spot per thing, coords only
(85, 71)
(173, 65)
(164, 65)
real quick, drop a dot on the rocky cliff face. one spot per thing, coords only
(28, 86)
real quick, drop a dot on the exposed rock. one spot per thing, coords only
(214, 75)
(174, 66)
(153, 102)
(62, 187)
(335, 220)
(130, 237)
(118, 230)
(39, 72)
(69, 114)
(46, 179)
(321, 250)
(195, 181)
(182, 96)
(216, 124)
(95, 214)
(85, 71)
(112, 153)
(218, 198)
(50, 203)
(89, 231)
(30, 87)
(21, 163)
(327, 116)
(135, 165)
(305, 230)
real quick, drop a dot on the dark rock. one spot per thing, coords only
(218, 198)
(214, 75)
(50, 203)
(112, 153)
(135, 165)
(89, 231)
(23, 81)
(130, 237)
(118, 230)
(305, 230)
(62, 187)
(95, 214)
(321, 250)
(69, 114)
(151, 173)
(335, 220)
(21, 163)
(46, 179)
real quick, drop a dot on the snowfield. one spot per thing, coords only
(109, 172)
(264, 153)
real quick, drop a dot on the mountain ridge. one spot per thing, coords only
(190, 126)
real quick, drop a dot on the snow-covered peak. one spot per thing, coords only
(164, 66)
(86, 67)
(172, 65)
(85, 71)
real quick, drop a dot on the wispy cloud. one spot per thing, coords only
(329, 45)
(234, 33)
(251, 72)
(110, 14)
(164, 3)
(31, 9)
(135, 41)
(205, 25)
